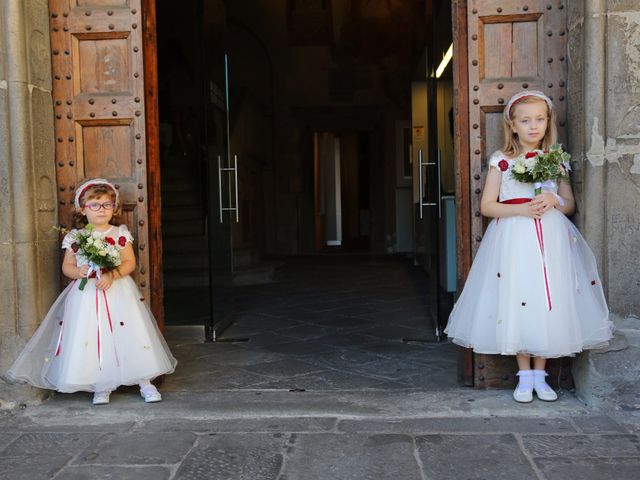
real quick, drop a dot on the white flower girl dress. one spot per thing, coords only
(533, 287)
(95, 340)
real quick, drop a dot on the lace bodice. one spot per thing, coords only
(510, 187)
(114, 232)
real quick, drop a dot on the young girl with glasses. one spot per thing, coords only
(102, 336)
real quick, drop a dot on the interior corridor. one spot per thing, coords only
(329, 322)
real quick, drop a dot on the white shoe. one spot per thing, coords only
(150, 394)
(542, 388)
(524, 391)
(101, 398)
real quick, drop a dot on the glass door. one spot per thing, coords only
(221, 180)
(427, 187)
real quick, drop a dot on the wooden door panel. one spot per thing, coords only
(98, 92)
(511, 46)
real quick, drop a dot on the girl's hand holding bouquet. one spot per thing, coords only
(102, 254)
(544, 169)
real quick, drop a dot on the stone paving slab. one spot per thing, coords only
(235, 456)
(494, 457)
(582, 446)
(98, 472)
(360, 456)
(7, 438)
(598, 424)
(485, 425)
(35, 467)
(321, 380)
(138, 449)
(589, 468)
(34, 444)
(285, 369)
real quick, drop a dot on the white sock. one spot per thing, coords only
(539, 379)
(526, 380)
(144, 383)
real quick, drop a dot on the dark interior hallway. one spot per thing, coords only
(326, 322)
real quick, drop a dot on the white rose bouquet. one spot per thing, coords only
(102, 253)
(542, 168)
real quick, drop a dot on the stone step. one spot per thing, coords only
(245, 257)
(259, 274)
(179, 186)
(186, 278)
(186, 261)
(181, 228)
(181, 199)
(171, 213)
(178, 245)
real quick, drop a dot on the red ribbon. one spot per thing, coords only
(106, 303)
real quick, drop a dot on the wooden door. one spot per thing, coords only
(510, 46)
(99, 98)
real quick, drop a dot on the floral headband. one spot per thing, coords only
(82, 189)
(525, 94)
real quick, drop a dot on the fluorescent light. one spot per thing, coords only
(445, 61)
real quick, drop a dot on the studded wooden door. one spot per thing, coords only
(511, 46)
(98, 92)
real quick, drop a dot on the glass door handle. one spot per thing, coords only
(439, 199)
(233, 169)
(220, 185)
(235, 176)
(422, 163)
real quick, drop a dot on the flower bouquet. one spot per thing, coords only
(102, 253)
(542, 168)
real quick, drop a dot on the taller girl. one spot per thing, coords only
(533, 290)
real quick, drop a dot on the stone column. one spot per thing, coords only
(604, 106)
(29, 258)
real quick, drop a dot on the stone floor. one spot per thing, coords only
(326, 323)
(325, 389)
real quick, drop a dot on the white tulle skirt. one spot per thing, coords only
(93, 340)
(510, 305)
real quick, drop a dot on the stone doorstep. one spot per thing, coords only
(237, 405)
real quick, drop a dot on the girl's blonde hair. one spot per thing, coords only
(512, 146)
(94, 191)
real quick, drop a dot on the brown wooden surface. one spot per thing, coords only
(461, 165)
(98, 92)
(150, 46)
(509, 49)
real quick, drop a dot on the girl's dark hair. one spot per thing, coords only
(79, 220)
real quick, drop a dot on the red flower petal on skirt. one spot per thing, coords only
(75, 247)
(503, 165)
(122, 241)
(110, 240)
(530, 155)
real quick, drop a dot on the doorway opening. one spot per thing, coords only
(289, 132)
(341, 191)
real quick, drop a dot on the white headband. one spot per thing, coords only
(523, 94)
(80, 191)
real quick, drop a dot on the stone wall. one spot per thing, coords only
(29, 259)
(604, 138)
